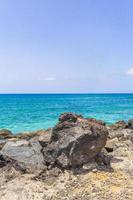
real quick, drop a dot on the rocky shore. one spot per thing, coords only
(79, 158)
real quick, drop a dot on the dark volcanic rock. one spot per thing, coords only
(74, 141)
(27, 154)
(69, 117)
(100, 122)
(130, 123)
(8, 162)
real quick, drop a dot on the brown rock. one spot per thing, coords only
(29, 135)
(118, 125)
(5, 133)
(75, 141)
(45, 137)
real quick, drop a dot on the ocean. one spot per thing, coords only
(29, 112)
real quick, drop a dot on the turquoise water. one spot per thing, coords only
(32, 112)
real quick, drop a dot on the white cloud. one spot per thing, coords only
(49, 78)
(130, 71)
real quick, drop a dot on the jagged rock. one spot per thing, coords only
(123, 149)
(69, 117)
(74, 141)
(29, 135)
(111, 144)
(103, 160)
(120, 146)
(130, 137)
(27, 154)
(9, 163)
(115, 133)
(45, 138)
(2, 143)
(100, 122)
(130, 123)
(5, 133)
(118, 125)
(121, 134)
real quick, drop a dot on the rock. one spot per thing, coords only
(45, 138)
(74, 141)
(2, 143)
(120, 146)
(123, 149)
(5, 133)
(27, 154)
(130, 137)
(90, 166)
(4, 161)
(9, 163)
(100, 122)
(111, 145)
(25, 136)
(121, 134)
(103, 160)
(55, 172)
(69, 117)
(29, 135)
(115, 133)
(130, 123)
(118, 125)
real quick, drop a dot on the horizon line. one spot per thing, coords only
(52, 93)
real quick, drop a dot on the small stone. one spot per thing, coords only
(94, 170)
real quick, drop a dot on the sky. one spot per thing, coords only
(66, 46)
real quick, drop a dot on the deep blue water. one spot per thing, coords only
(36, 111)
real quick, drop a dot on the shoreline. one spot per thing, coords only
(22, 113)
(107, 124)
(79, 158)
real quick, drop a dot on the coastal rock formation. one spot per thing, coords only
(70, 161)
(121, 134)
(27, 154)
(45, 138)
(74, 141)
(130, 123)
(5, 133)
(29, 135)
(119, 125)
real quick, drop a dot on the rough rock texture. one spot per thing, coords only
(5, 133)
(95, 185)
(119, 125)
(27, 154)
(130, 123)
(2, 143)
(45, 138)
(120, 133)
(75, 141)
(100, 122)
(29, 135)
(91, 182)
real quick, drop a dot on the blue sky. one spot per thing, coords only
(66, 46)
